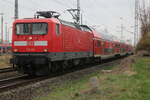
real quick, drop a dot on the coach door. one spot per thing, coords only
(98, 48)
(101, 47)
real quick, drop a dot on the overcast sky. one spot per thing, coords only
(103, 13)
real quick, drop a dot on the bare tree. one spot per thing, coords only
(144, 17)
(145, 20)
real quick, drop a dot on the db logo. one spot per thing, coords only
(30, 43)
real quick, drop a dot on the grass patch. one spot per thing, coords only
(112, 86)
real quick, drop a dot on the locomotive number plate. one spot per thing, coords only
(30, 49)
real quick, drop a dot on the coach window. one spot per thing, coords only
(57, 29)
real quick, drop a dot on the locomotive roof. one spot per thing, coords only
(27, 20)
(103, 35)
(75, 25)
(55, 20)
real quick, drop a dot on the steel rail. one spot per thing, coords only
(5, 70)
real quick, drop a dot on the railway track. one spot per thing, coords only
(5, 81)
(14, 82)
(5, 70)
(11, 83)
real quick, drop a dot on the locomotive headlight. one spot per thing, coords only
(30, 38)
(15, 50)
(45, 50)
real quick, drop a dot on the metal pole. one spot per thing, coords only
(2, 21)
(81, 19)
(16, 9)
(78, 12)
(122, 32)
(6, 33)
(136, 22)
(121, 28)
(10, 34)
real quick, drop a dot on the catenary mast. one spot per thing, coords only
(16, 9)
(136, 27)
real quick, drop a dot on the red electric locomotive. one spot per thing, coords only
(41, 45)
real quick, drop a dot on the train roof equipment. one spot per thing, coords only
(47, 14)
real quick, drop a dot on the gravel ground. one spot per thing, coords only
(8, 75)
(44, 87)
(4, 61)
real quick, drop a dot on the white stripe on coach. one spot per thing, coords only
(40, 43)
(20, 43)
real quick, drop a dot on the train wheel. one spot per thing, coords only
(76, 62)
(70, 64)
(55, 66)
(98, 60)
(42, 69)
(30, 70)
(82, 62)
(20, 69)
(65, 64)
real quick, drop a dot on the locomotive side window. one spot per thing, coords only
(98, 43)
(85, 28)
(117, 46)
(57, 29)
(68, 24)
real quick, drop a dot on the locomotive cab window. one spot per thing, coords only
(57, 28)
(39, 28)
(23, 29)
(31, 28)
